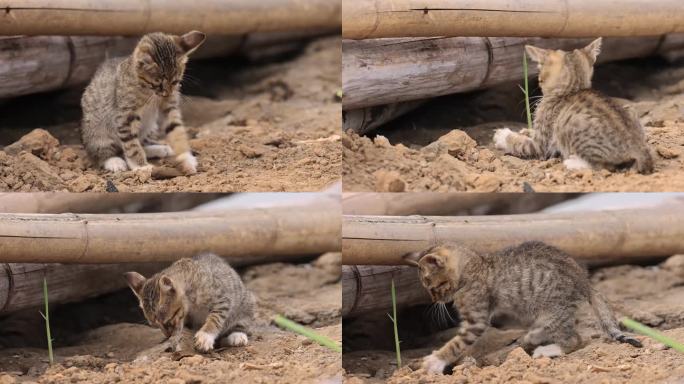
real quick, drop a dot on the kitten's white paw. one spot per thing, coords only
(158, 151)
(237, 339)
(204, 342)
(433, 364)
(500, 137)
(187, 163)
(551, 350)
(574, 162)
(115, 164)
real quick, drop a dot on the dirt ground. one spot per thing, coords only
(266, 125)
(649, 294)
(130, 352)
(446, 145)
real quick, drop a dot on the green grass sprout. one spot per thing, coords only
(307, 332)
(46, 316)
(393, 317)
(526, 92)
(652, 333)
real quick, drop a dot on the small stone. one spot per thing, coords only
(44, 176)
(674, 264)
(458, 143)
(109, 354)
(389, 181)
(38, 142)
(7, 379)
(666, 152)
(518, 355)
(193, 360)
(250, 152)
(381, 141)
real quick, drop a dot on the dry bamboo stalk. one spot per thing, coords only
(364, 19)
(21, 285)
(385, 71)
(44, 63)
(444, 204)
(135, 17)
(593, 237)
(256, 234)
(366, 288)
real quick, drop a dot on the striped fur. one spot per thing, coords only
(203, 293)
(574, 121)
(538, 285)
(131, 101)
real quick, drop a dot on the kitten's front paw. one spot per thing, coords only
(433, 364)
(237, 339)
(551, 350)
(204, 342)
(187, 163)
(500, 138)
(115, 164)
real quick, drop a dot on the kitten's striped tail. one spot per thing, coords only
(607, 319)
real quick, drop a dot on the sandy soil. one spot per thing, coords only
(132, 353)
(270, 125)
(446, 145)
(651, 295)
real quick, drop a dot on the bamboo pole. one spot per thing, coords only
(256, 234)
(55, 202)
(365, 288)
(135, 17)
(593, 237)
(444, 204)
(44, 63)
(21, 285)
(364, 19)
(385, 71)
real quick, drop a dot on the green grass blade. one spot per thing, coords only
(652, 333)
(527, 92)
(294, 327)
(394, 321)
(46, 316)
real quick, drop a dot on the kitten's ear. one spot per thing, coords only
(412, 258)
(190, 41)
(135, 281)
(166, 284)
(144, 60)
(536, 54)
(593, 49)
(434, 260)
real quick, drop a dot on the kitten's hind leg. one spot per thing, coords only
(517, 144)
(574, 162)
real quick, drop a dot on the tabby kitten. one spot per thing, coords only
(584, 127)
(130, 99)
(538, 285)
(204, 293)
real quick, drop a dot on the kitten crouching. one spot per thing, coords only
(203, 293)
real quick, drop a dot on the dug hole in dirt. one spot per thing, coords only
(446, 145)
(106, 340)
(651, 295)
(271, 124)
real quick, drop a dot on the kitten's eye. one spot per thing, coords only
(175, 82)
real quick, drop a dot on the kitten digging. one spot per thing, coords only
(204, 293)
(130, 100)
(534, 283)
(584, 127)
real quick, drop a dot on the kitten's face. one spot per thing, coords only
(160, 60)
(561, 72)
(438, 271)
(160, 301)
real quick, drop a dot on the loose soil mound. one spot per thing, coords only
(134, 353)
(269, 126)
(447, 144)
